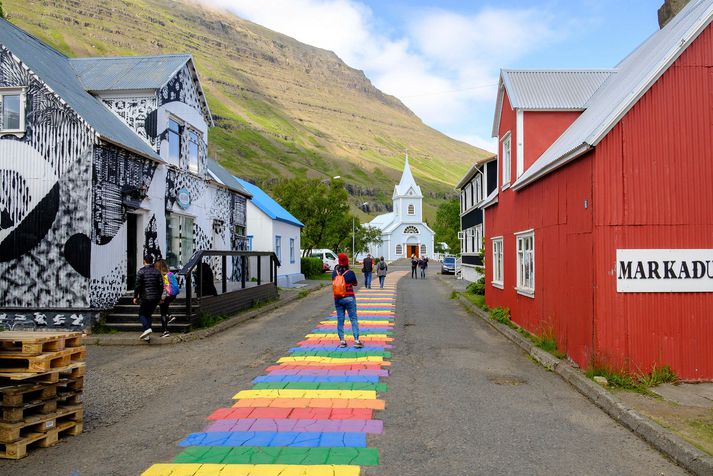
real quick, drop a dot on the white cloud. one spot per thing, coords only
(444, 66)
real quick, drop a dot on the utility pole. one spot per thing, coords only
(353, 240)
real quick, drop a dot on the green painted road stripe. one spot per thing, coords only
(378, 387)
(278, 455)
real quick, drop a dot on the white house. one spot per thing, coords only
(271, 227)
(403, 232)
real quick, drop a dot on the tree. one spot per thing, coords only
(2, 13)
(365, 236)
(323, 207)
(447, 224)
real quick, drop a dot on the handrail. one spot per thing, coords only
(244, 256)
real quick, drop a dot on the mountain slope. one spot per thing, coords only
(282, 108)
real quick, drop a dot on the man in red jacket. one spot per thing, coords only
(347, 302)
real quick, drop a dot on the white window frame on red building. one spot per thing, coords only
(525, 261)
(498, 257)
(507, 159)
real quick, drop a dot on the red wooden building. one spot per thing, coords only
(602, 228)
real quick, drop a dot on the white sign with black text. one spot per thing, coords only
(664, 271)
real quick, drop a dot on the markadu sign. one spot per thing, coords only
(664, 271)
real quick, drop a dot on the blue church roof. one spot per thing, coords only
(268, 205)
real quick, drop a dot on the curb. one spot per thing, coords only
(116, 339)
(680, 451)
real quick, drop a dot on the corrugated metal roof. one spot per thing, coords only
(473, 169)
(565, 89)
(635, 75)
(268, 205)
(53, 69)
(128, 72)
(226, 178)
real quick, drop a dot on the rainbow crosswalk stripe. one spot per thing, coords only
(310, 413)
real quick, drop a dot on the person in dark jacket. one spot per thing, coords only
(346, 303)
(423, 264)
(367, 269)
(147, 294)
(381, 270)
(414, 267)
(204, 280)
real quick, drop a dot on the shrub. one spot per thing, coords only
(311, 267)
(477, 287)
(501, 315)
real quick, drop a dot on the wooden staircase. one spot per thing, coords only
(125, 316)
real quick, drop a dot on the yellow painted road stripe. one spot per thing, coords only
(296, 393)
(176, 469)
(330, 360)
(335, 336)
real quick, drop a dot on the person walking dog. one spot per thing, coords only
(367, 269)
(381, 270)
(343, 282)
(147, 294)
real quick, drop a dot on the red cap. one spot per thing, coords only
(343, 259)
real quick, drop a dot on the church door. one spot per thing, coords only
(411, 250)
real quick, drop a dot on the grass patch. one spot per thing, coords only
(477, 299)
(322, 277)
(639, 382)
(303, 293)
(546, 339)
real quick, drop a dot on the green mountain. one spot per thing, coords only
(281, 108)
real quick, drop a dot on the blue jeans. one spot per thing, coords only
(381, 281)
(367, 280)
(347, 304)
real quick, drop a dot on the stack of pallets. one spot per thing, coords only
(41, 383)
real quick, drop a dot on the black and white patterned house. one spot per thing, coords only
(101, 161)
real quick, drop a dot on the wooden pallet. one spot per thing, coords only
(18, 414)
(33, 343)
(72, 371)
(17, 395)
(12, 432)
(18, 449)
(15, 362)
(71, 397)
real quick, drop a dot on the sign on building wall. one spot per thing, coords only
(664, 271)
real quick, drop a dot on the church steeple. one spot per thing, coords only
(407, 186)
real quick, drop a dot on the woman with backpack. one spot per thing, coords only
(171, 289)
(381, 270)
(343, 282)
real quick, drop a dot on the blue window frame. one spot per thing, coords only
(292, 250)
(250, 242)
(278, 247)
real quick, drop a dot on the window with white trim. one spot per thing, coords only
(477, 238)
(423, 250)
(12, 110)
(526, 262)
(411, 210)
(292, 250)
(498, 261)
(411, 230)
(193, 148)
(399, 250)
(278, 247)
(507, 167)
(478, 184)
(174, 141)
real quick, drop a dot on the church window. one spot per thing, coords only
(411, 210)
(399, 250)
(423, 250)
(411, 229)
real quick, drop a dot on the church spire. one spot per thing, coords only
(407, 182)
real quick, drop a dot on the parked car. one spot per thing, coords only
(328, 257)
(449, 265)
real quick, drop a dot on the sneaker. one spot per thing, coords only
(146, 333)
(358, 344)
(165, 334)
(147, 338)
(342, 344)
(171, 319)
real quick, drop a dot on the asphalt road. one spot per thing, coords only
(462, 400)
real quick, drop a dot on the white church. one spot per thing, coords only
(403, 232)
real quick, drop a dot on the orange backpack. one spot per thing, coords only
(339, 286)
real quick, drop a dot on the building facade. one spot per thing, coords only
(102, 160)
(403, 231)
(600, 231)
(272, 228)
(476, 186)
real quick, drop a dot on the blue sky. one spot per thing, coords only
(442, 58)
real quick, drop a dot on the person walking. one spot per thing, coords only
(171, 288)
(414, 267)
(367, 269)
(343, 282)
(381, 270)
(423, 264)
(147, 294)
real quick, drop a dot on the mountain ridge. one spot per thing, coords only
(281, 108)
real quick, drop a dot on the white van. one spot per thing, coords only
(328, 257)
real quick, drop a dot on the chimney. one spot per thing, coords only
(670, 9)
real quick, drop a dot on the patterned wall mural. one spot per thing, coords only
(134, 111)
